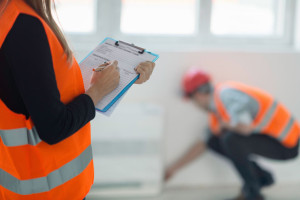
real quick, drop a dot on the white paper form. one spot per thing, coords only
(128, 58)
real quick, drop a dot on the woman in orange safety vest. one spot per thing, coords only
(45, 135)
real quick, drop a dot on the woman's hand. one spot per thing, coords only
(145, 70)
(103, 82)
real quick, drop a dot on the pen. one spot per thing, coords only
(101, 67)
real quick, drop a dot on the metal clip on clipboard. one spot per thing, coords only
(141, 50)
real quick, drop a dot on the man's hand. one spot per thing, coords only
(242, 129)
(194, 152)
(170, 172)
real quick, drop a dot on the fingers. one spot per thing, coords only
(112, 70)
(145, 70)
(111, 66)
(168, 176)
(142, 77)
(109, 69)
(115, 63)
(151, 63)
(101, 67)
(148, 66)
(105, 64)
(115, 68)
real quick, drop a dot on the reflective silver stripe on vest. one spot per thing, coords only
(286, 130)
(47, 183)
(18, 137)
(267, 118)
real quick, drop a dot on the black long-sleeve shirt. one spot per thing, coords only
(28, 85)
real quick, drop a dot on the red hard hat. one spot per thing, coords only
(193, 79)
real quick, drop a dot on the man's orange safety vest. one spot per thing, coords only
(30, 169)
(272, 119)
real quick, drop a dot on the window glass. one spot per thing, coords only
(158, 16)
(76, 16)
(247, 17)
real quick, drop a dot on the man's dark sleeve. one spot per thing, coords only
(27, 51)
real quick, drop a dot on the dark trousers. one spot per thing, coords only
(238, 148)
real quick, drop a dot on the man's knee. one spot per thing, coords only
(235, 147)
(230, 139)
(214, 144)
(291, 155)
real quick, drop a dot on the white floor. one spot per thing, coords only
(274, 193)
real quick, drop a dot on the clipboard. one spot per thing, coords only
(117, 43)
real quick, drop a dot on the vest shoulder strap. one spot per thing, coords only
(10, 13)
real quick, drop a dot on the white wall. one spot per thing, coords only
(276, 72)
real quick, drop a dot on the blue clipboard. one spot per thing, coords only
(130, 84)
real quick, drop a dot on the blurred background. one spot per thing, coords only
(252, 41)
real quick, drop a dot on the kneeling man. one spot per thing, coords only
(244, 121)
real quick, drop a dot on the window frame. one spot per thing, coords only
(111, 9)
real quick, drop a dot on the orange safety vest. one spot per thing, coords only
(31, 169)
(272, 119)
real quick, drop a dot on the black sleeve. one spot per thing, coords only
(27, 51)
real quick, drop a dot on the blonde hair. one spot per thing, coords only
(44, 9)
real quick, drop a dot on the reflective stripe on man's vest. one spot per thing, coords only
(31, 169)
(267, 118)
(272, 119)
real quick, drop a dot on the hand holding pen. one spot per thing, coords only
(104, 80)
(101, 67)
